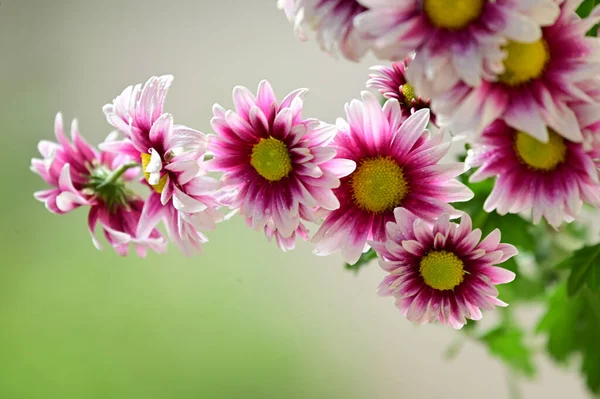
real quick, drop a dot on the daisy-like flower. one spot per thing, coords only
(333, 22)
(397, 165)
(538, 82)
(279, 164)
(454, 39)
(184, 196)
(81, 176)
(550, 180)
(442, 271)
(391, 82)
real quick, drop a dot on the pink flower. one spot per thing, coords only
(442, 271)
(397, 165)
(455, 40)
(550, 180)
(333, 22)
(184, 196)
(79, 176)
(280, 165)
(538, 82)
(391, 83)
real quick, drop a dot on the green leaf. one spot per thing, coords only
(506, 343)
(363, 261)
(515, 230)
(572, 325)
(585, 10)
(586, 7)
(558, 322)
(585, 269)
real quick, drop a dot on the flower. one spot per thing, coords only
(333, 22)
(397, 165)
(550, 180)
(455, 40)
(81, 176)
(280, 165)
(172, 158)
(442, 271)
(391, 83)
(538, 82)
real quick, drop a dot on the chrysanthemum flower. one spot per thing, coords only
(397, 165)
(551, 180)
(333, 22)
(538, 82)
(442, 271)
(81, 176)
(184, 196)
(279, 163)
(391, 83)
(454, 39)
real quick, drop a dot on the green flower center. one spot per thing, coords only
(452, 14)
(409, 92)
(378, 184)
(442, 270)
(524, 62)
(540, 156)
(271, 159)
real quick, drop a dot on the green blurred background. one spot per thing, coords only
(241, 320)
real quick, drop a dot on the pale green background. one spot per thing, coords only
(244, 320)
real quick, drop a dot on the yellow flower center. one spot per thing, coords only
(163, 179)
(409, 92)
(442, 270)
(524, 62)
(271, 159)
(540, 156)
(452, 14)
(378, 184)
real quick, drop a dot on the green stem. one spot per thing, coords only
(115, 174)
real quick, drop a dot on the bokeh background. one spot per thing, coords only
(241, 320)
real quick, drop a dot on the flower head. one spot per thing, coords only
(171, 155)
(391, 83)
(442, 271)
(82, 176)
(550, 180)
(397, 165)
(455, 40)
(537, 82)
(279, 164)
(333, 21)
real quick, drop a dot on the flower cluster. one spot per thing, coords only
(517, 79)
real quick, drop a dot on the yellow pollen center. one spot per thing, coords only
(524, 62)
(452, 14)
(271, 159)
(540, 156)
(409, 92)
(378, 184)
(163, 179)
(442, 270)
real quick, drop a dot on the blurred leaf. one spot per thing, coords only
(363, 261)
(506, 343)
(584, 10)
(523, 289)
(586, 7)
(585, 269)
(515, 230)
(573, 326)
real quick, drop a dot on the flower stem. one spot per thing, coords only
(115, 174)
